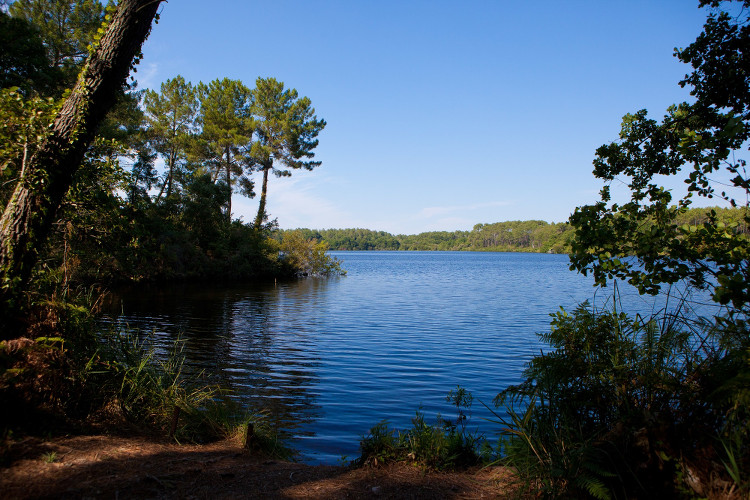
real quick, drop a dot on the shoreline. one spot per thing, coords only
(137, 466)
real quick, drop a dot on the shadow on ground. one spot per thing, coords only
(119, 468)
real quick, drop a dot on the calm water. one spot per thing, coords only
(332, 357)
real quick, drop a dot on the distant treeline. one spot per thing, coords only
(510, 236)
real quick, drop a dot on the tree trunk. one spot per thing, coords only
(229, 185)
(29, 214)
(172, 161)
(262, 205)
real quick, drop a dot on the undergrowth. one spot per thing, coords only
(632, 407)
(63, 376)
(444, 445)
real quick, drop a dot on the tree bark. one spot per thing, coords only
(262, 205)
(228, 167)
(29, 214)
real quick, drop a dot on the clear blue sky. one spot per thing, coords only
(440, 114)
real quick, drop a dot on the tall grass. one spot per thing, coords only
(625, 406)
(446, 444)
(73, 376)
(155, 390)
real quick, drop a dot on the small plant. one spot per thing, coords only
(50, 457)
(443, 445)
(256, 434)
(381, 445)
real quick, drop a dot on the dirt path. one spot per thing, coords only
(109, 467)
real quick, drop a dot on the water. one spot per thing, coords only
(332, 357)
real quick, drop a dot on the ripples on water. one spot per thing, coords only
(332, 357)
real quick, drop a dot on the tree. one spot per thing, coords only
(143, 176)
(22, 122)
(309, 257)
(286, 129)
(170, 117)
(48, 174)
(227, 130)
(702, 141)
(23, 58)
(622, 406)
(67, 28)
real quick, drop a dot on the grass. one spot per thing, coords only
(443, 445)
(72, 377)
(155, 390)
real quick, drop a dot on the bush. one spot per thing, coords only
(308, 258)
(626, 406)
(444, 445)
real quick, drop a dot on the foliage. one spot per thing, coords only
(108, 225)
(23, 58)
(702, 142)
(227, 126)
(153, 390)
(171, 121)
(120, 220)
(616, 398)
(625, 406)
(23, 124)
(309, 258)
(67, 29)
(256, 433)
(444, 445)
(350, 239)
(286, 128)
(82, 378)
(45, 179)
(511, 236)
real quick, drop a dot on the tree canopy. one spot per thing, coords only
(286, 129)
(171, 122)
(45, 178)
(703, 142)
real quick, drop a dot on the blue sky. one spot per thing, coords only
(440, 114)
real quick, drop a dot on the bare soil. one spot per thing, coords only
(115, 467)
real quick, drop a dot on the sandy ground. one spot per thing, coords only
(109, 467)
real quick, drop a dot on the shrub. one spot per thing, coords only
(625, 406)
(308, 258)
(443, 445)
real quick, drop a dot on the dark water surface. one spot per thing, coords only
(332, 357)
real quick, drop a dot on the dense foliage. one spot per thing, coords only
(702, 142)
(84, 205)
(122, 219)
(309, 258)
(628, 406)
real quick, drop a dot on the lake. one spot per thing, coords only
(330, 358)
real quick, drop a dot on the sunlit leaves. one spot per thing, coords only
(702, 142)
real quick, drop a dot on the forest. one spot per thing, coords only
(102, 183)
(122, 220)
(510, 236)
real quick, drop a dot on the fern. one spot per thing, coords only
(593, 486)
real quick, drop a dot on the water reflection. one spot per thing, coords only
(254, 341)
